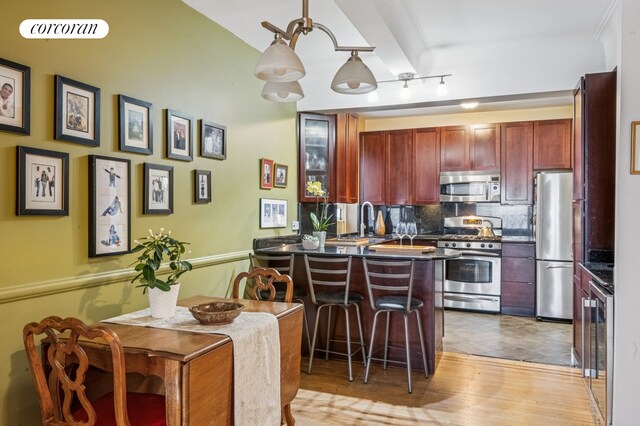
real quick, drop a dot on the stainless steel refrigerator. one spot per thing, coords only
(554, 255)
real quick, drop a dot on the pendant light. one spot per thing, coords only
(279, 64)
(354, 77)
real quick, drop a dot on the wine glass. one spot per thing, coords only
(401, 230)
(412, 231)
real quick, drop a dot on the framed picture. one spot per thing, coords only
(43, 182)
(635, 148)
(266, 173)
(213, 140)
(281, 175)
(77, 112)
(273, 213)
(202, 186)
(109, 206)
(136, 125)
(15, 97)
(179, 136)
(158, 189)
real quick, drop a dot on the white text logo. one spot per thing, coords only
(64, 28)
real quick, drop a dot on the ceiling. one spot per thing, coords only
(505, 54)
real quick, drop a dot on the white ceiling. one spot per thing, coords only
(525, 53)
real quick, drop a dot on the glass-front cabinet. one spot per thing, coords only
(317, 145)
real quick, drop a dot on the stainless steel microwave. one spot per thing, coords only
(476, 187)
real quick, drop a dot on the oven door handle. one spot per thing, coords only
(478, 253)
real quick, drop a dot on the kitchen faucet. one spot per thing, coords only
(364, 227)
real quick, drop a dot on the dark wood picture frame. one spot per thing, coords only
(201, 186)
(15, 109)
(273, 213)
(280, 175)
(266, 173)
(109, 206)
(179, 135)
(135, 122)
(213, 140)
(158, 189)
(47, 175)
(77, 117)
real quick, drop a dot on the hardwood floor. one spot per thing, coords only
(466, 390)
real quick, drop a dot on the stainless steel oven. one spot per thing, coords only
(472, 281)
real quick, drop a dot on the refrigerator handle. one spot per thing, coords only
(559, 266)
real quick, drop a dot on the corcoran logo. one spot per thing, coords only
(64, 28)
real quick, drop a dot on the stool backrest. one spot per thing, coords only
(264, 279)
(64, 385)
(328, 272)
(281, 263)
(389, 276)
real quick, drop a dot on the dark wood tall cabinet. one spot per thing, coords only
(594, 162)
(347, 157)
(399, 167)
(316, 144)
(372, 167)
(517, 163)
(426, 166)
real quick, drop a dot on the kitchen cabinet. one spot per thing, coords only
(518, 279)
(346, 156)
(552, 144)
(468, 148)
(517, 163)
(426, 166)
(316, 139)
(372, 167)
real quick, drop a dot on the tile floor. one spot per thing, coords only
(508, 337)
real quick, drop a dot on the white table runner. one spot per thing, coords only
(256, 358)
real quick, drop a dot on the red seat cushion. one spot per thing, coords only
(144, 409)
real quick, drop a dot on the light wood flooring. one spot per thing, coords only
(465, 390)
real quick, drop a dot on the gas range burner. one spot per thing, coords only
(463, 237)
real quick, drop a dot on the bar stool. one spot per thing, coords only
(329, 286)
(284, 265)
(390, 285)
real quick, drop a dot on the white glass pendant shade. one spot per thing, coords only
(354, 77)
(279, 63)
(289, 91)
(442, 89)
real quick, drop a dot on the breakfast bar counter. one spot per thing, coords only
(428, 287)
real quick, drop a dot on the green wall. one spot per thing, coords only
(163, 52)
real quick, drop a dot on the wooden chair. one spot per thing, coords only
(60, 378)
(390, 287)
(264, 279)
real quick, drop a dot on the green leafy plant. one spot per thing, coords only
(319, 219)
(154, 248)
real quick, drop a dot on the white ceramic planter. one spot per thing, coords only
(322, 235)
(163, 303)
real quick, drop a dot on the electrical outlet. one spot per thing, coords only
(295, 225)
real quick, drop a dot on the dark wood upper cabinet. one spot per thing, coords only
(484, 147)
(347, 153)
(454, 149)
(372, 167)
(517, 163)
(316, 139)
(475, 147)
(552, 144)
(399, 167)
(426, 166)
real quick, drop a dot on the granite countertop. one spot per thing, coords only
(601, 272)
(360, 251)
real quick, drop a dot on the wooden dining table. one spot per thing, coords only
(197, 368)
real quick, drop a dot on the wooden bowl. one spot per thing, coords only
(216, 313)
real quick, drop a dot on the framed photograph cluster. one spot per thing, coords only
(15, 97)
(158, 189)
(77, 112)
(273, 213)
(135, 125)
(43, 182)
(213, 140)
(179, 136)
(109, 206)
(202, 186)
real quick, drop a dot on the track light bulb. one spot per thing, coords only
(405, 93)
(442, 89)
